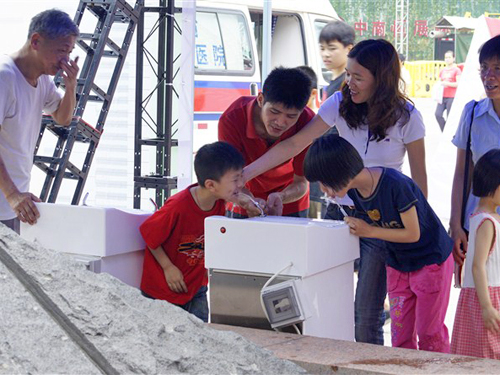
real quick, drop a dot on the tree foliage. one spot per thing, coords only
(419, 47)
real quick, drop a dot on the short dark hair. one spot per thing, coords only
(338, 31)
(288, 86)
(486, 176)
(53, 24)
(213, 160)
(490, 49)
(311, 74)
(333, 161)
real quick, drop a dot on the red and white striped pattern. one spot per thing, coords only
(470, 337)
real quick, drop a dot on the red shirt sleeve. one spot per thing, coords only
(229, 133)
(158, 227)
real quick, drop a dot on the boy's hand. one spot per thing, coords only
(491, 319)
(358, 227)
(175, 280)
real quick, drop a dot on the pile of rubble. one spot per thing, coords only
(133, 334)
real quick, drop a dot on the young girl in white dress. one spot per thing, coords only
(476, 331)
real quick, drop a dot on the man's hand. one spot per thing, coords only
(358, 227)
(175, 280)
(460, 244)
(245, 202)
(24, 207)
(70, 73)
(274, 204)
(64, 113)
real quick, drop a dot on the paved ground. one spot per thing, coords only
(440, 159)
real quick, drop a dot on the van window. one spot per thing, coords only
(222, 43)
(288, 45)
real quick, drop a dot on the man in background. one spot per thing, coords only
(449, 77)
(317, 206)
(335, 41)
(25, 91)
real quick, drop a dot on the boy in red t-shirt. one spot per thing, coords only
(174, 261)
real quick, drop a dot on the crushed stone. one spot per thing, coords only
(135, 334)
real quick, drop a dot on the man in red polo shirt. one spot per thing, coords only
(255, 124)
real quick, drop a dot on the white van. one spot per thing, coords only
(228, 45)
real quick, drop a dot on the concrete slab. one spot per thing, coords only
(326, 356)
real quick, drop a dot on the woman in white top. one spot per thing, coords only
(382, 124)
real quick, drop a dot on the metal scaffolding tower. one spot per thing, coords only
(401, 26)
(156, 129)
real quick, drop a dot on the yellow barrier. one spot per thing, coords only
(424, 74)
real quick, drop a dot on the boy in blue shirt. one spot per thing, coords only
(390, 207)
